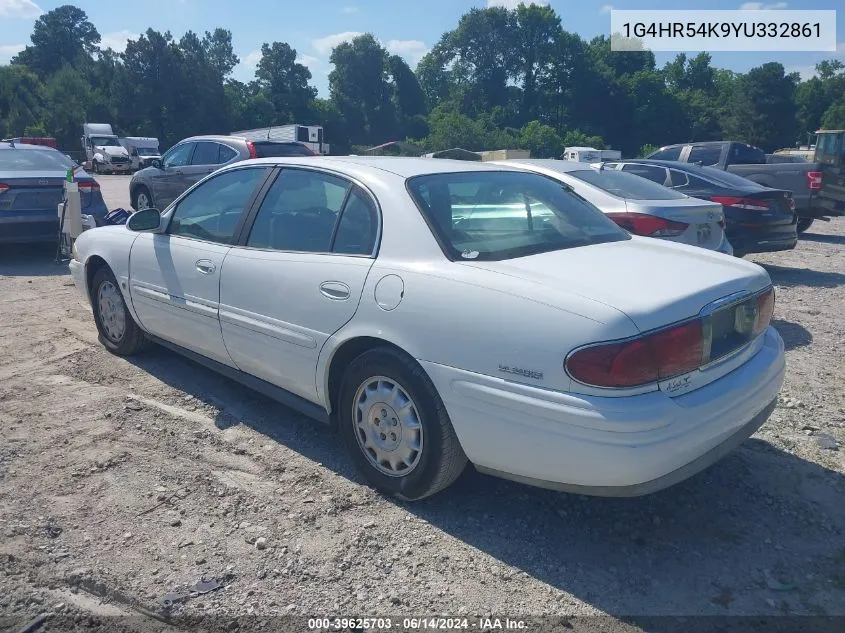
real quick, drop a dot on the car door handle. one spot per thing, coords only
(206, 266)
(335, 290)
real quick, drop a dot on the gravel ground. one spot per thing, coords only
(122, 480)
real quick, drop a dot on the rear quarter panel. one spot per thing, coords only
(789, 176)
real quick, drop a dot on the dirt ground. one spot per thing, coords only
(123, 480)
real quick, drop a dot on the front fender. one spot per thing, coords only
(112, 245)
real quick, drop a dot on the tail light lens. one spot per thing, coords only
(752, 204)
(4, 188)
(250, 146)
(814, 180)
(648, 225)
(660, 355)
(88, 187)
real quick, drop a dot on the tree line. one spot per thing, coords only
(500, 79)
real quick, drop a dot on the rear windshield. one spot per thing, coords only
(268, 150)
(628, 186)
(727, 178)
(502, 215)
(33, 160)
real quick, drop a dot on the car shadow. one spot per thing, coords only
(823, 238)
(787, 276)
(794, 335)
(30, 260)
(740, 536)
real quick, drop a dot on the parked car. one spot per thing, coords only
(830, 152)
(564, 352)
(637, 205)
(192, 159)
(758, 219)
(31, 188)
(804, 180)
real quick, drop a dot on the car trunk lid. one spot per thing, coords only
(654, 282)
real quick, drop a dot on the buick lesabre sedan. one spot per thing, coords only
(442, 312)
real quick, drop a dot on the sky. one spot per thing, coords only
(406, 28)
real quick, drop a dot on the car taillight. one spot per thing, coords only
(666, 353)
(657, 356)
(253, 153)
(648, 225)
(765, 310)
(814, 180)
(752, 204)
(4, 188)
(88, 187)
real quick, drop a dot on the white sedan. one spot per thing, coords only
(638, 205)
(439, 312)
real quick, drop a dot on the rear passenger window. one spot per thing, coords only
(299, 213)
(705, 155)
(356, 232)
(655, 174)
(742, 154)
(679, 178)
(206, 153)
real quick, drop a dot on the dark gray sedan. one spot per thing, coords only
(31, 188)
(192, 159)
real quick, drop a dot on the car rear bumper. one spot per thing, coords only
(782, 237)
(627, 446)
(29, 228)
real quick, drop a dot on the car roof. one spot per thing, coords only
(562, 166)
(405, 167)
(7, 145)
(234, 139)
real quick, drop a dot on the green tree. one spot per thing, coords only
(762, 110)
(21, 99)
(284, 81)
(647, 149)
(67, 97)
(359, 85)
(536, 30)
(834, 117)
(577, 138)
(61, 36)
(542, 140)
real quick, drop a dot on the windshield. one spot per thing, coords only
(33, 160)
(147, 151)
(105, 141)
(628, 186)
(501, 215)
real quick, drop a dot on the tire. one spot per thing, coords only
(438, 459)
(804, 224)
(141, 193)
(118, 331)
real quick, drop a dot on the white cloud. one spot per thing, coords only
(412, 50)
(250, 60)
(513, 4)
(349, 10)
(324, 45)
(760, 6)
(117, 40)
(809, 71)
(310, 61)
(7, 51)
(606, 8)
(19, 9)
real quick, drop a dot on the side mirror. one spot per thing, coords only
(144, 220)
(157, 163)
